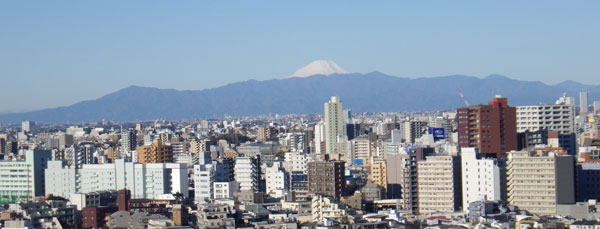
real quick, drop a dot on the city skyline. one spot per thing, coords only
(86, 50)
(305, 114)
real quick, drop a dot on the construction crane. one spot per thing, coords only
(464, 99)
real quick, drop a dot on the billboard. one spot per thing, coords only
(438, 133)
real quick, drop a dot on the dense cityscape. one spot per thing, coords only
(480, 166)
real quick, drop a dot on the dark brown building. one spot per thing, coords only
(95, 217)
(326, 178)
(491, 128)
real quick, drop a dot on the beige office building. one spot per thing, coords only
(540, 179)
(438, 182)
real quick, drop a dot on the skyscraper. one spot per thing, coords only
(583, 102)
(491, 128)
(335, 126)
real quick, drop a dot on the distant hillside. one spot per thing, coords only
(372, 92)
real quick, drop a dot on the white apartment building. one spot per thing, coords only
(553, 117)
(23, 179)
(246, 173)
(145, 181)
(480, 178)
(277, 181)
(319, 140)
(203, 176)
(224, 190)
(296, 162)
(437, 185)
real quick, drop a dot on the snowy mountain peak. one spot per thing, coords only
(319, 67)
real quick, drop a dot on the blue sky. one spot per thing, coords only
(55, 53)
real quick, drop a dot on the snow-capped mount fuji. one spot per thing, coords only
(319, 67)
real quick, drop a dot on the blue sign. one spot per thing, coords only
(438, 133)
(357, 162)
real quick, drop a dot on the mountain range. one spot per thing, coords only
(371, 92)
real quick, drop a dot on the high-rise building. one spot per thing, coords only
(277, 181)
(77, 156)
(265, 133)
(28, 126)
(335, 126)
(491, 128)
(401, 177)
(413, 130)
(438, 184)
(596, 107)
(199, 146)
(296, 162)
(361, 150)
(378, 174)
(157, 152)
(583, 102)
(24, 179)
(319, 140)
(247, 173)
(482, 178)
(540, 179)
(203, 176)
(128, 141)
(145, 181)
(552, 117)
(326, 178)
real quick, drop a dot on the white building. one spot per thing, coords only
(145, 181)
(64, 180)
(246, 172)
(28, 126)
(319, 140)
(553, 117)
(335, 125)
(277, 181)
(296, 162)
(224, 190)
(23, 179)
(480, 178)
(203, 176)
